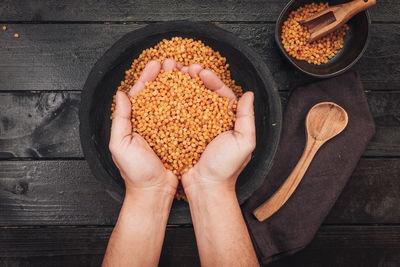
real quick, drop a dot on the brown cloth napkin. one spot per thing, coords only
(295, 224)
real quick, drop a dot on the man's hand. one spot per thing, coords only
(227, 155)
(221, 233)
(139, 166)
(139, 233)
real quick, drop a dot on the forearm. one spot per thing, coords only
(139, 233)
(221, 233)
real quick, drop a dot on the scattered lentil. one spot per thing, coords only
(294, 37)
(4, 27)
(16, 35)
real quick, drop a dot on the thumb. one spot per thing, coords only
(244, 124)
(213, 83)
(121, 123)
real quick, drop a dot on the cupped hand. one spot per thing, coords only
(139, 166)
(226, 155)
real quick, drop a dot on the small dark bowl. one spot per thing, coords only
(355, 42)
(247, 69)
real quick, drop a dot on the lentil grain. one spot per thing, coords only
(294, 37)
(176, 114)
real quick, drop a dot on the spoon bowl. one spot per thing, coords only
(325, 120)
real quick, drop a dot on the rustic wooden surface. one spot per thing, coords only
(53, 212)
(157, 10)
(64, 192)
(85, 246)
(59, 56)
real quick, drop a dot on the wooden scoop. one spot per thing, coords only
(328, 20)
(323, 122)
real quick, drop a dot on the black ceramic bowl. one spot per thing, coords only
(355, 42)
(246, 68)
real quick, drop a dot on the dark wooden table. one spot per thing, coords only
(53, 212)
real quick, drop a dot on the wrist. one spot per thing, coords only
(194, 181)
(154, 193)
(198, 187)
(205, 196)
(209, 201)
(147, 204)
(164, 186)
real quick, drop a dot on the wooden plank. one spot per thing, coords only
(332, 246)
(39, 125)
(59, 193)
(349, 246)
(371, 195)
(66, 193)
(83, 246)
(53, 261)
(60, 56)
(157, 10)
(53, 57)
(43, 125)
(54, 193)
(385, 109)
(63, 245)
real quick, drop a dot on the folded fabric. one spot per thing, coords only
(293, 226)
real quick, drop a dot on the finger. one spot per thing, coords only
(169, 64)
(195, 69)
(185, 69)
(245, 117)
(149, 73)
(213, 83)
(121, 122)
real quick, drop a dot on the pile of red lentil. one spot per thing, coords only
(294, 37)
(176, 114)
(185, 51)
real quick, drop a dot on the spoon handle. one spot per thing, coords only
(280, 197)
(354, 7)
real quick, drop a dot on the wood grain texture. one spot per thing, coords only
(59, 193)
(42, 125)
(157, 10)
(66, 193)
(54, 192)
(371, 194)
(349, 246)
(83, 246)
(333, 18)
(60, 56)
(332, 246)
(324, 121)
(57, 56)
(39, 125)
(53, 57)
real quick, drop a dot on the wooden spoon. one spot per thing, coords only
(324, 121)
(328, 20)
